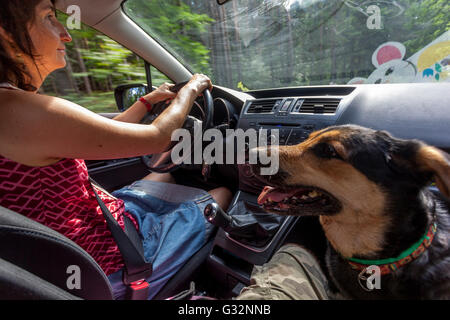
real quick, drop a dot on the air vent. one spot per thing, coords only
(320, 105)
(261, 106)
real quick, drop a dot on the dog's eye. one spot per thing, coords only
(325, 150)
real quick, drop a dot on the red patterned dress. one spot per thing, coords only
(60, 196)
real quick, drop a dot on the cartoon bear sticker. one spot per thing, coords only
(390, 66)
(430, 64)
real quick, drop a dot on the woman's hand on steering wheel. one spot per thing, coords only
(162, 93)
(166, 92)
(199, 83)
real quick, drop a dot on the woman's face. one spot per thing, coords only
(49, 37)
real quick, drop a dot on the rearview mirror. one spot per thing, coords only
(127, 94)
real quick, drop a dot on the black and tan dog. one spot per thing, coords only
(371, 193)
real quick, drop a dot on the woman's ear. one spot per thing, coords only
(438, 162)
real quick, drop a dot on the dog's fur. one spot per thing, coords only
(383, 206)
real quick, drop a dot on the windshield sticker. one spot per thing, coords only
(430, 64)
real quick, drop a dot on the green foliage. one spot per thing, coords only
(276, 43)
(241, 87)
(173, 21)
(99, 62)
(433, 16)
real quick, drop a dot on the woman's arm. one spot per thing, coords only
(39, 130)
(137, 111)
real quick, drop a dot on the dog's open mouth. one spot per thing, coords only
(298, 201)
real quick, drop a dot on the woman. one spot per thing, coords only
(42, 139)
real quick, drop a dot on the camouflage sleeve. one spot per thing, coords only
(292, 274)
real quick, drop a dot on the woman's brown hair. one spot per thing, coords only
(15, 17)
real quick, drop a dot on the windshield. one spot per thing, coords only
(257, 44)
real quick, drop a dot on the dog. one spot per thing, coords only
(372, 194)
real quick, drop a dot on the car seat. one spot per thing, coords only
(37, 262)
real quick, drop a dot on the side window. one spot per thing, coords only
(158, 78)
(96, 64)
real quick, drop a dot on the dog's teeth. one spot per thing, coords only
(294, 198)
(304, 197)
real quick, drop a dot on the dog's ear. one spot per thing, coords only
(421, 161)
(438, 162)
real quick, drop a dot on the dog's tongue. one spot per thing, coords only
(274, 194)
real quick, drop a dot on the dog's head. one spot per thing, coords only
(356, 179)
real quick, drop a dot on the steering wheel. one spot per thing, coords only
(162, 162)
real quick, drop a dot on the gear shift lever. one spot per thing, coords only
(216, 216)
(246, 223)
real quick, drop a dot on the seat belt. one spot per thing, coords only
(137, 270)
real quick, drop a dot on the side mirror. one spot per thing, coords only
(127, 94)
